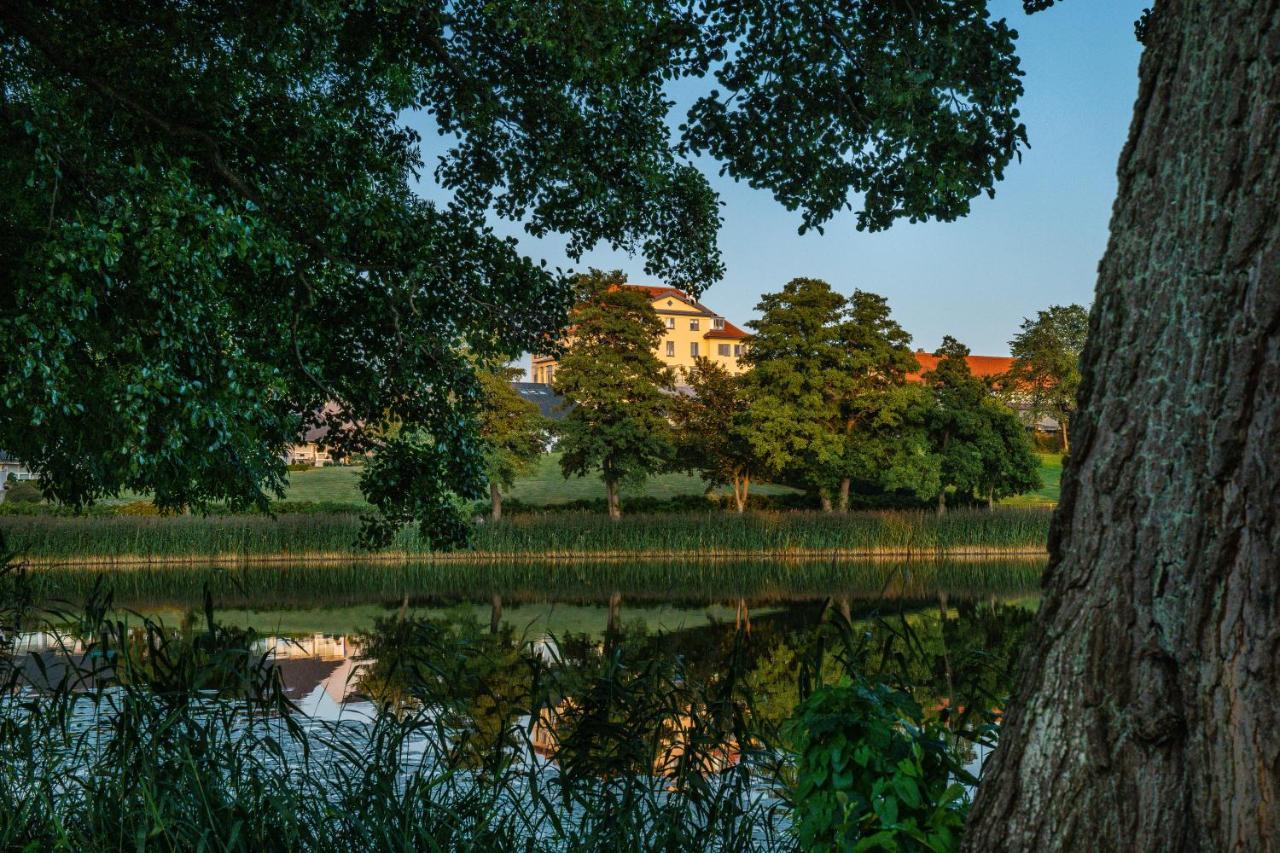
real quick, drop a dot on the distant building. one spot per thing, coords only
(692, 331)
(550, 404)
(11, 466)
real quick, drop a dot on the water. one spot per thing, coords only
(616, 677)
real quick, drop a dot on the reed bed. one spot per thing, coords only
(333, 536)
(696, 582)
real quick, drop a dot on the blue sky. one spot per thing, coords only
(1038, 242)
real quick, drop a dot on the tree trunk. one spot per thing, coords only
(611, 498)
(1063, 423)
(1146, 716)
(844, 495)
(825, 500)
(741, 485)
(495, 501)
(613, 627)
(495, 613)
(991, 499)
(942, 502)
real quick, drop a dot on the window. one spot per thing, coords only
(737, 349)
(717, 323)
(722, 349)
(551, 374)
(671, 322)
(693, 349)
(693, 325)
(671, 349)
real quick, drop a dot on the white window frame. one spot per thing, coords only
(671, 349)
(717, 323)
(694, 325)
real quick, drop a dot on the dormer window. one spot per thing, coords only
(717, 323)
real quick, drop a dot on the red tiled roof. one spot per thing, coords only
(729, 331)
(982, 366)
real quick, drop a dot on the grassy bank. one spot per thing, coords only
(332, 536)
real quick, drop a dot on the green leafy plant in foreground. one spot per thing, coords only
(872, 775)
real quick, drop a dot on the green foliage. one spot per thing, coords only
(610, 375)
(711, 438)
(872, 775)
(690, 533)
(879, 417)
(209, 229)
(22, 492)
(1046, 362)
(513, 431)
(795, 357)
(981, 444)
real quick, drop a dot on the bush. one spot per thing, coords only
(23, 492)
(872, 775)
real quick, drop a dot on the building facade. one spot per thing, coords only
(692, 331)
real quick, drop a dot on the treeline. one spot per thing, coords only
(825, 406)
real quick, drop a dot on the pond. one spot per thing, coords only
(570, 704)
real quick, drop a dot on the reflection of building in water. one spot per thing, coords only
(319, 669)
(546, 738)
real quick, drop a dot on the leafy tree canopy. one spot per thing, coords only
(981, 444)
(512, 429)
(616, 385)
(711, 437)
(1046, 361)
(209, 229)
(795, 359)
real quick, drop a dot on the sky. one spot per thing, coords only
(1037, 243)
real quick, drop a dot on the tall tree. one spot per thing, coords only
(1009, 465)
(955, 419)
(795, 359)
(1145, 716)
(981, 444)
(874, 359)
(513, 432)
(616, 385)
(710, 432)
(1046, 364)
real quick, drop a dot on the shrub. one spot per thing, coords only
(23, 492)
(872, 775)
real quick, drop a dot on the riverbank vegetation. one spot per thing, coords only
(333, 535)
(456, 735)
(760, 582)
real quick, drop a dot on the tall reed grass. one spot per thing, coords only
(689, 581)
(334, 535)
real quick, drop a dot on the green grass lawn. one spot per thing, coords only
(544, 486)
(1047, 494)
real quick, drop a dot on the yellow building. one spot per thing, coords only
(692, 330)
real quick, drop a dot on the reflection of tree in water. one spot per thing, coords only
(634, 701)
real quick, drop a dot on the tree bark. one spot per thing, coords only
(1063, 422)
(1146, 715)
(495, 613)
(844, 495)
(495, 501)
(611, 498)
(741, 485)
(942, 502)
(825, 499)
